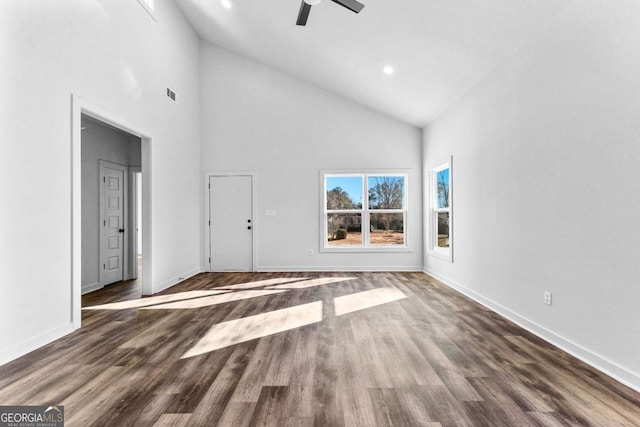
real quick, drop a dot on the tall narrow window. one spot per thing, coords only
(365, 211)
(441, 211)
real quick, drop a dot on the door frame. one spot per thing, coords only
(125, 220)
(135, 176)
(81, 106)
(207, 216)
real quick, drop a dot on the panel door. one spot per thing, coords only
(113, 225)
(231, 229)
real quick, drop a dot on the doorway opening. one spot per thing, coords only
(111, 164)
(132, 154)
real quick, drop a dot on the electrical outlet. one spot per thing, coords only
(547, 297)
(311, 252)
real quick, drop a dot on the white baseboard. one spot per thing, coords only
(289, 269)
(172, 282)
(604, 365)
(31, 344)
(90, 288)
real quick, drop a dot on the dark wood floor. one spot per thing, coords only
(357, 349)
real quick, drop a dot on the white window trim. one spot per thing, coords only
(434, 249)
(364, 248)
(149, 6)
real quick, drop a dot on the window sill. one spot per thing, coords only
(447, 256)
(361, 249)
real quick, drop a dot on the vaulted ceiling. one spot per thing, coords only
(438, 49)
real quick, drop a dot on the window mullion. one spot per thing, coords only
(365, 212)
(365, 228)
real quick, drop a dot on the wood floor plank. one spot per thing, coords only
(444, 407)
(269, 410)
(173, 420)
(402, 349)
(235, 414)
(250, 384)
(357, 406)
(387, 409)
(498, 397)
(327, 409)
(547, 419)
(100, 395)
(413, 404)
(222, 388)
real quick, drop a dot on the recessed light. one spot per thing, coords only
(226, 4)
(388, 70)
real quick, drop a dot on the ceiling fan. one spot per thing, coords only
(305, 8)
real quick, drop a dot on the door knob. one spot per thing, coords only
(121, 230)
(248, 227)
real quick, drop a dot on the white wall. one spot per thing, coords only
(112, 54)
(256, 118)
(546, 173)
(100, 142)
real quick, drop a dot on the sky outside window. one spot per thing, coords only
(443, 188)
(352, 185)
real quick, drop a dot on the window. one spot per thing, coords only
(149, 6)
(441, 211)
(364, 211)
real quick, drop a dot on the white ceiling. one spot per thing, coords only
(439, 48)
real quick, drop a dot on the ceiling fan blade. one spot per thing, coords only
(352, 5)
(303, 14)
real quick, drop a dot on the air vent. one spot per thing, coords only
(171, 94)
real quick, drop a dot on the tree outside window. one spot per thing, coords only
(353, 221)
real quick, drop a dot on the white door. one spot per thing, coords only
(231, 222)
(112, 242)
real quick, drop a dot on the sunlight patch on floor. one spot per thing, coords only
(266, 282)
(246, 329)
(205, 298)
(160, 299)
(366, 299)
(258, 326)
(215, 299)
(312, 282)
